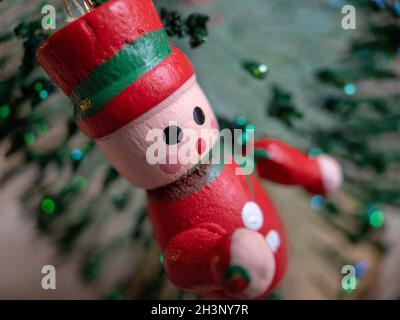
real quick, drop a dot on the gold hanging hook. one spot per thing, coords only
(87, 7)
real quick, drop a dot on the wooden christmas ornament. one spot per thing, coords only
(219, 232)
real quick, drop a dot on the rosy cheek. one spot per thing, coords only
(214, 124)
(170, 165)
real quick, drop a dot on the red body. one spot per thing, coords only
(217, 208)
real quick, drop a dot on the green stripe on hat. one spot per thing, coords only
(118, 73)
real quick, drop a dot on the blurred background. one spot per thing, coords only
(286, 68)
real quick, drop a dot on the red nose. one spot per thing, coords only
(201, 146)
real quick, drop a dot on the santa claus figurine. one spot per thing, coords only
(219, 233)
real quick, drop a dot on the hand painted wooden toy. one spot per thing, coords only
(219, 232)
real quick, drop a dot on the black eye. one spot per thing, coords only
(198, 116)
(173, 135)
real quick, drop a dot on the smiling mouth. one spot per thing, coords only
(172, 165)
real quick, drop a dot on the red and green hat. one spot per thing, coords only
(115, 63)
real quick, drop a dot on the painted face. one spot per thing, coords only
(163, 144)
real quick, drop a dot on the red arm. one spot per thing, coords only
(187, 259)
(237, 265)
(281, 163)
